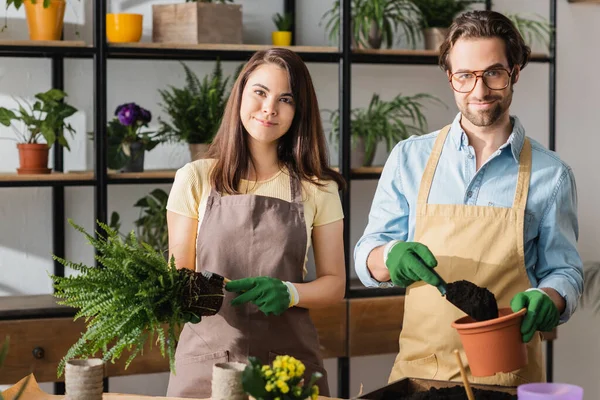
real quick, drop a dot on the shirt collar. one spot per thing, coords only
(515, 140)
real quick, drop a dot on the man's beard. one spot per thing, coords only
(487, 117)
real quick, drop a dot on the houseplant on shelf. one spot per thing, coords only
(196, 109)
(127, 139)
(437, 16)
(375, 22)
(533, 29)
(133, 297)
(389, 121)
(283, 35)
(45, 18)
(197, 21)
(45, 118)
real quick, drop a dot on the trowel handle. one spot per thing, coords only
(442, 286)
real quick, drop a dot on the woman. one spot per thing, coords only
(249, 212)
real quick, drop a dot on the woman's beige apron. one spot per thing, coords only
(477, 243)
(247, 236)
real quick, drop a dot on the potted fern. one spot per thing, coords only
(196, 109)
(44, 119)
(376, 22)
(382, 121)
(132, 297)
(283, 35)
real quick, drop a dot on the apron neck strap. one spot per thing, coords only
(522, 189)
(432, 165)
(295, 189)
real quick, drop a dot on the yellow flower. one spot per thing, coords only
(268, 373)
(268, 387)
(277, 363)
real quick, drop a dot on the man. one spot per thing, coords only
(478, 201)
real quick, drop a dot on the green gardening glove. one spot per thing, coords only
(410, 262)
(542, 314)
(270, 294)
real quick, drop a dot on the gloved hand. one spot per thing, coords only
(410, 262)
(270, 294)
(542, 314)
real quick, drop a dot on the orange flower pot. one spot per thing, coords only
(123, 28)
(495, 345)
(45, 23)
(33, 158)
(281, 38)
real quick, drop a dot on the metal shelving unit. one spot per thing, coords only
(100, 178)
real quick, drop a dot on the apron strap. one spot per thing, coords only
(295, 190)
(522, 189)
(432, 163)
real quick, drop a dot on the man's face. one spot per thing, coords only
(482, 106)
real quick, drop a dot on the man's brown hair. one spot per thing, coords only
(486, 24)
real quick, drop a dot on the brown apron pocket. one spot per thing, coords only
(424, 368)
(193, 375)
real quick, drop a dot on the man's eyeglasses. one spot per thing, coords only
(495, 79)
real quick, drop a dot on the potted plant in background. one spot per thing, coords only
(45, 18)
(389, 121)
(127, 139)
(437, 16)
(534, 30)
(44, 119)
(283, 35)
(197, 21)
(196, 109)
(375, 22)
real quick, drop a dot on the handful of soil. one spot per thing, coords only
(203, 292)
(477, 302)
(452, 393)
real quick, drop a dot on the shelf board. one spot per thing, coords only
(149, 176)
(210, 51)
(45, 48)
(364, 173)
(415, 57)
(12, 179)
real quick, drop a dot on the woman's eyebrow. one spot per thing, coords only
(267, 89)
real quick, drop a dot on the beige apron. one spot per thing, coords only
(481, 244)
(246, 236)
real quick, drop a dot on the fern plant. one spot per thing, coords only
(128, 298)
(197, 108)
(441, 13)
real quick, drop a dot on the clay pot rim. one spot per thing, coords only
(489, 323)
(33, 145)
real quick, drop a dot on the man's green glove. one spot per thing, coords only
(542, 314)
(270, 294)
(410, 262)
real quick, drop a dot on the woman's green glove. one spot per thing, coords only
(270, 294)
(542, 314)
(410, 262)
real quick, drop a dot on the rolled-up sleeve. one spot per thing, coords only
(559, 265)
(388, 219)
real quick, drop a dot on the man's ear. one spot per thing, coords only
(516, 74)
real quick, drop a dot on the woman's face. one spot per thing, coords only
(267, 109)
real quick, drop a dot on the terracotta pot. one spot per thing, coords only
(495, 345)
(434, 37)
(281, 38)
(45, 23)
(198, 150)
(33, 158)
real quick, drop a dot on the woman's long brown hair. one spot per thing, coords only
(302, 149)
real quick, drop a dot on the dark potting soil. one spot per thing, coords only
(201, 295)
(451, 393)
(475, 301)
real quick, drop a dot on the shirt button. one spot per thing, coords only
(470, 156)
(469, 193)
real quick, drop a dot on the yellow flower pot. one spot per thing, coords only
(45, 23)
(123, 28)
(281, 38)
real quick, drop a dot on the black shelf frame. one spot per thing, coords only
(100, 52)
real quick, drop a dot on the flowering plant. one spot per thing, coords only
(281, 381)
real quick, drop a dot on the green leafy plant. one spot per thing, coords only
(3, 354)
(441, 13)
(283, 22)
(282, 380)
(534, 30)
(376, 21)
(196, 109)
(126, 299)
(389, 121)
(45, 118)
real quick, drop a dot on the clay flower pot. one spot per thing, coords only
(227, 381)
(84, 379)
(45, 23)
(495, 345)
(33, 158)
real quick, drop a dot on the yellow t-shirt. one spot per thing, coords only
(191, 188)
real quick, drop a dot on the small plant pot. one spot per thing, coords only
(227, 381)
(124, 28)
(198, 150)
(84, 379)
(549, 391)
(495, 345)
(434, 37)
(33, 158)
(281, 38)
(135, 162)
(359, 156)
(45, 23)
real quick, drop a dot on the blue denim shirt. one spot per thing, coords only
(551, 227)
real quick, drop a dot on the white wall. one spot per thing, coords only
(25, 213)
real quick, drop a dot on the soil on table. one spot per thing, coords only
(475, 301)
(451, 393)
